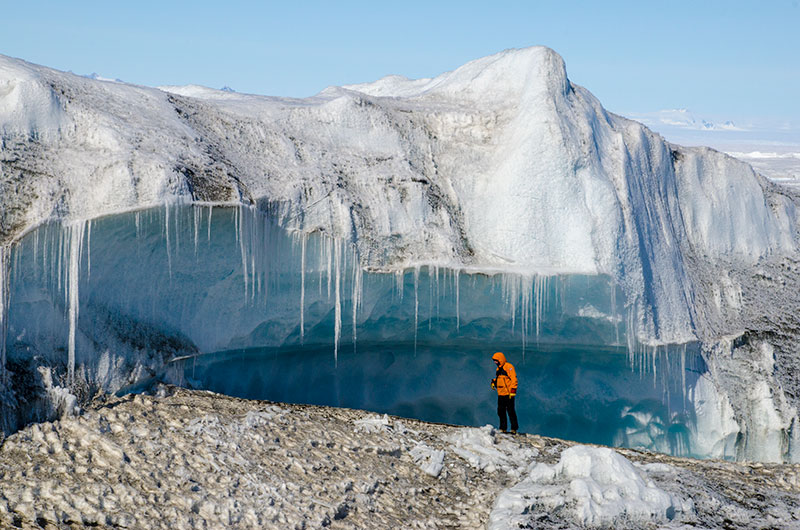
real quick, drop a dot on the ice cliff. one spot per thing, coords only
(502, 166)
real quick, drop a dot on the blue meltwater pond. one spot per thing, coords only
(577, 393)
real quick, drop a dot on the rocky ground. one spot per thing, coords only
(186, 459)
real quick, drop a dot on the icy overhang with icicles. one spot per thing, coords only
(501, 204)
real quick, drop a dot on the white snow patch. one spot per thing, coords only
(591, 486)
(483, 449)
(477, 446)
(28, 106)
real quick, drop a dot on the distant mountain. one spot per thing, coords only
(98, 77)
(684, 119)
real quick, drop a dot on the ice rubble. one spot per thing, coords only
(502, 165)
(189, 459)
(590, 486)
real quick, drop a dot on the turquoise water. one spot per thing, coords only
(578, 393)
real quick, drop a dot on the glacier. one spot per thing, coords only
(499, 196)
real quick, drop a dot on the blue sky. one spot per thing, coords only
(726, 60)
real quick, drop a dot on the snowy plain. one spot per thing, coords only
(772, 147)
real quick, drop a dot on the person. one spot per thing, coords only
(505, 382)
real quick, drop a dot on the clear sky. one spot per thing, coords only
(725, 59)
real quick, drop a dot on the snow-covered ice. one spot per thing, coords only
(591, 486)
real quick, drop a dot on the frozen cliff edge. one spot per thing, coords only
(502, 164)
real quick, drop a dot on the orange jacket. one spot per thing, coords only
(506, 377)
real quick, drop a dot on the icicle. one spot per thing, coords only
(210, 211)
(337, 332)
(260, 264)
(169, 251)
(252, 232)
(45, 256)
(176, 213)
(630, 335)
(89, 249)
(458, 313)
(510, 293)
(63, 274)
(683, 375)
(400, 279)
(416, 306)
(5, 295)
(303, 239)
(319, 269)
(537, 296)
(59, 267)
(438, 295)
(430, 298)
(242, 248)
(654, 358)
(14, 268)
(526, 288)
(76, 243)
(35, 246)
(357, 279)
(614, 310)
(197, 212)
(328, 255)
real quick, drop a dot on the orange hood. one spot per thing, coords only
(499, 357)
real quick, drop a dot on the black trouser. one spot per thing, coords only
(506, 404)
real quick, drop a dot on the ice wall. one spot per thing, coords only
(174, 267)
(227, 299)
(500, 165)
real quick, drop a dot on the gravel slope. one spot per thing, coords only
(187, 459)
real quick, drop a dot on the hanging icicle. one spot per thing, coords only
(303, 240)
(89, 249)
(5, 296)
(458, 291)
(210, 211)
(356, 296)
(416, 307)
(76, 231)
(337, 332)
(166, 229)
(196, 217)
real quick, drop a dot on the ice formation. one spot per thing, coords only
(593, 487)
(525, 212)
